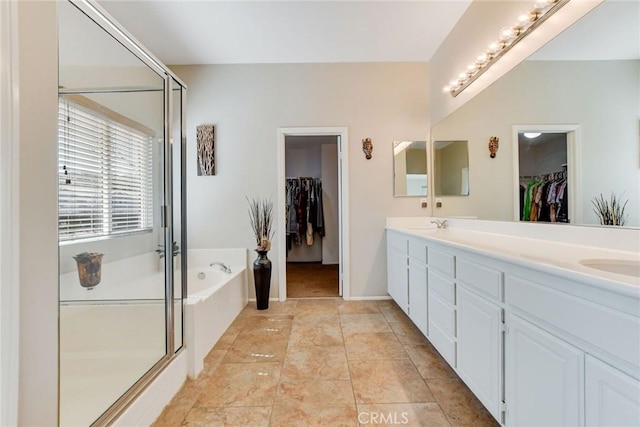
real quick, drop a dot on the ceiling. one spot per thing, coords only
(237, 32)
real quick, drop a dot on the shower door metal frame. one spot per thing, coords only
(102, 18)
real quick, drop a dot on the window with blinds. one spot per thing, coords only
(105, 175)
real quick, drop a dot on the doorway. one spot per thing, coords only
(311, 196)
(546, 173)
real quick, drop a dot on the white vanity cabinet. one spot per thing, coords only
(544, 378)
(407, 276)
(397, 269)
(612, 397)
(537, 346)
(480, 347)
(441, 301)
(418, 284)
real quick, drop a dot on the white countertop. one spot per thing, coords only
(562, 259)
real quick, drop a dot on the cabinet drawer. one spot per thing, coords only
(612, 331)
(442, 286)
(418, 250)
(441, 261)
(484, 279)
(443, 314)
(445, 345)
(397, 241)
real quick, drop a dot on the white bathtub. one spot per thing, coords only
(214, 300)
(120, 323)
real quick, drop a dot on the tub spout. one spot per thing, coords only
(224, 267)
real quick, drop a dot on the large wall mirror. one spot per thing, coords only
(583, 90)
(410, 178)
(117, 173)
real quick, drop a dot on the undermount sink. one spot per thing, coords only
(619, 266)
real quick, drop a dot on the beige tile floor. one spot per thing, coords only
(324, 362)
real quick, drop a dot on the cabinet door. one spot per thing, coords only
(397, 280)
(544, 378)
(480, 348)
(612, 397)
(418, 295)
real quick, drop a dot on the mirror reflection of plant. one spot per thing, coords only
(261, 220)
(610, 212)
(175, 250)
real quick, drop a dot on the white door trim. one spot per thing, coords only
(9, 216)
(343, 203)
(573, 166)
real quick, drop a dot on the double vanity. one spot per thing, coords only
(542, 331)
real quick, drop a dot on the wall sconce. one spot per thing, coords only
(509, 37)
(367, 148)
(493, 146)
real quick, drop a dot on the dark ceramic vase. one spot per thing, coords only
(262, 279)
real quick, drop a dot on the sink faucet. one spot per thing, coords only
(441, 223)
(224, 267)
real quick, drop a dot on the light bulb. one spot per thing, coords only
(493, 47)
(446, 89)
(532, 135)
(482, 58)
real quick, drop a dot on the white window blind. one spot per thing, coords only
(105, 175)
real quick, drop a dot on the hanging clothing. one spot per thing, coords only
(304, 211)
(545, 198)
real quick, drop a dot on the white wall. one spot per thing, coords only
(247, 103)
(38, 402)
(330, 242)
(600, 96)
(480, 26)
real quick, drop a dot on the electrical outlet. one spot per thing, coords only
(423, 203)
(438, 203)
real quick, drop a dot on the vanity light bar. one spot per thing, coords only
(509, 37)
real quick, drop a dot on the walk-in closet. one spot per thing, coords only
(544, 187)
(312, 232)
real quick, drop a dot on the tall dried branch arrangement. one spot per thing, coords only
(261, 220)
(205, 146)
(610, 212)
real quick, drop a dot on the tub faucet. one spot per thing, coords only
(440, 223)
(224, 267)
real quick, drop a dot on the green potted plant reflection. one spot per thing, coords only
(175, 250)
(89, 268)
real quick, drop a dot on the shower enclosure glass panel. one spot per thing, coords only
(121, 246)
(178, 147)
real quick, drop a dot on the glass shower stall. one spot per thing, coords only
(121, 211)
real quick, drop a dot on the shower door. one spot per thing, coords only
(120, 211)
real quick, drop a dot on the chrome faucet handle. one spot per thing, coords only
(440, 223)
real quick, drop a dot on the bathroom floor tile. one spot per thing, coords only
(459, 404)
(257, 349)
(311, 307)
(325, 369)
(250, 416)
(363, 323)
(275, 307)
(382, 345)
(241, 384)
(228, 337)
(407, 333)
(311, 363)
(357, 307)
(393, 313)
(429, 362)
(324, 333)
(297, 416)
(315, 394)
(388, 381)
(394, 414)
